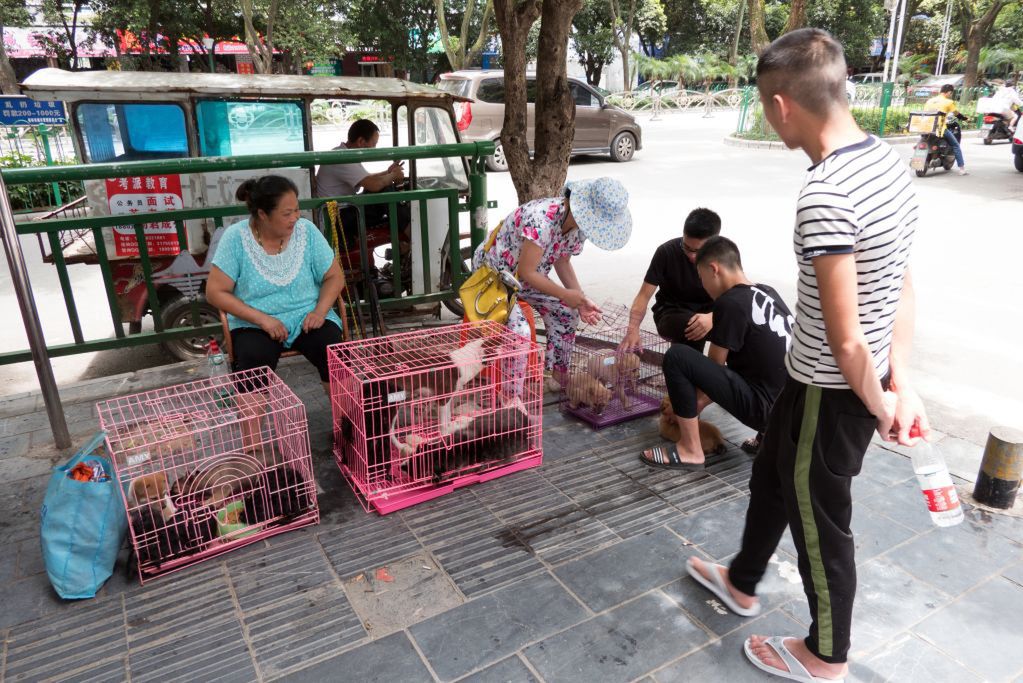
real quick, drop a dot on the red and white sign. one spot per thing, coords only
(145, 194)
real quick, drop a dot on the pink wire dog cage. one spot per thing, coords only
(606, 386)
(420, 414)
(210, 466)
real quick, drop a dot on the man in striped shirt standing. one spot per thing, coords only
(848, 360)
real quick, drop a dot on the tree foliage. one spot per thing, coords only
(12, 13)
(474, 17)
(592, 40)
(399, 29)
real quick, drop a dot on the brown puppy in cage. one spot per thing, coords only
(710, 436)
(618, 371)
(583, 389)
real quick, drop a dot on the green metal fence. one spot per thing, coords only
(882, 109)
(52, 229)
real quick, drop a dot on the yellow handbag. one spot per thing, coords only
(488, 294)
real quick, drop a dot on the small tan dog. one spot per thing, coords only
(584, 390)
(710, 436)
(617, 371)
(152, 490)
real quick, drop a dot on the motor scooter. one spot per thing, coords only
(997, 127)
(933, 150)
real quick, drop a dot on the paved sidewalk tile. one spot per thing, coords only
(908, 659)
(387, 660)
(473, 546)
(204, 651)
(982, 628)
(78, 643)
(724, 660)
(542, 518)
(27, 600)
(630, 568)
(510, 670)
(491, 627)
(888, 601)
(292, 608)
(620, 645)
(15, 446)
(716, 530)
(874, 533)
(955, 559)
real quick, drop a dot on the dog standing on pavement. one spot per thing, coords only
(710, 436)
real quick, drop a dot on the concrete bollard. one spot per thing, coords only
(1001, 469)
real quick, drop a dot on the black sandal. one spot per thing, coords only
(668, 458)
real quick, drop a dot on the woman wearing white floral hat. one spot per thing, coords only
(545, 234)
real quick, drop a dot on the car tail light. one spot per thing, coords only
(463, 113)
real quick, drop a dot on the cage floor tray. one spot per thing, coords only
(614, 413)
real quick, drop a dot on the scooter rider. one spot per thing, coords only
(945, 103)
(1007, 97)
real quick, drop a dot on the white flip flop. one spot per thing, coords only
(716, 585)
(796, 672)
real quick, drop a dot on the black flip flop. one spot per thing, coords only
(668, 458)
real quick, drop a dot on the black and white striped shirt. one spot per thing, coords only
(859, 200)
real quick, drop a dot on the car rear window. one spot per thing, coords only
(456, 86)
(491, 90)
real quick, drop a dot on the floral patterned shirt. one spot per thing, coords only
(539, 221)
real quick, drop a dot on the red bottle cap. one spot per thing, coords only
(214, 347)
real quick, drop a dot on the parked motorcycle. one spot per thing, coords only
(997, 127)
(933, 150)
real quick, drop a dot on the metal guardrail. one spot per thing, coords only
(40, 353)
(882, 109)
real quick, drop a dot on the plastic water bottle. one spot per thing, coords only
(215, 361)
(216, 371)
(936, 484)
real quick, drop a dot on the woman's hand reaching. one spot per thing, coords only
(590, 313)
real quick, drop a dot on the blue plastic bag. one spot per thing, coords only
(82, 527)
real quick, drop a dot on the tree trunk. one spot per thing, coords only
(8, 79)
(594, 68)
(623, 42)
(797, 15)
(733, 54)
(555, 108)
(977, 37)
(757, 29)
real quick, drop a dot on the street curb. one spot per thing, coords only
(733, 141)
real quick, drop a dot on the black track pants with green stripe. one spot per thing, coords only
(813, 446)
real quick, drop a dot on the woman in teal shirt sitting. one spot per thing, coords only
(277, 279)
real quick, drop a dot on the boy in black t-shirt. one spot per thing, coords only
(682, 307)
(745, 370)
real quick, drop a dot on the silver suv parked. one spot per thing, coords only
(600, 128)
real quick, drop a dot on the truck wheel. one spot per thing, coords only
(177, 312)
(623, 147)
(497, 161)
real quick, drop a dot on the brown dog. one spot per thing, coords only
(711, 440)
(152, 490)
(584, 390)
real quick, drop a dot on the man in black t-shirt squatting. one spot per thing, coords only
(682, 307)
(745, 370)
